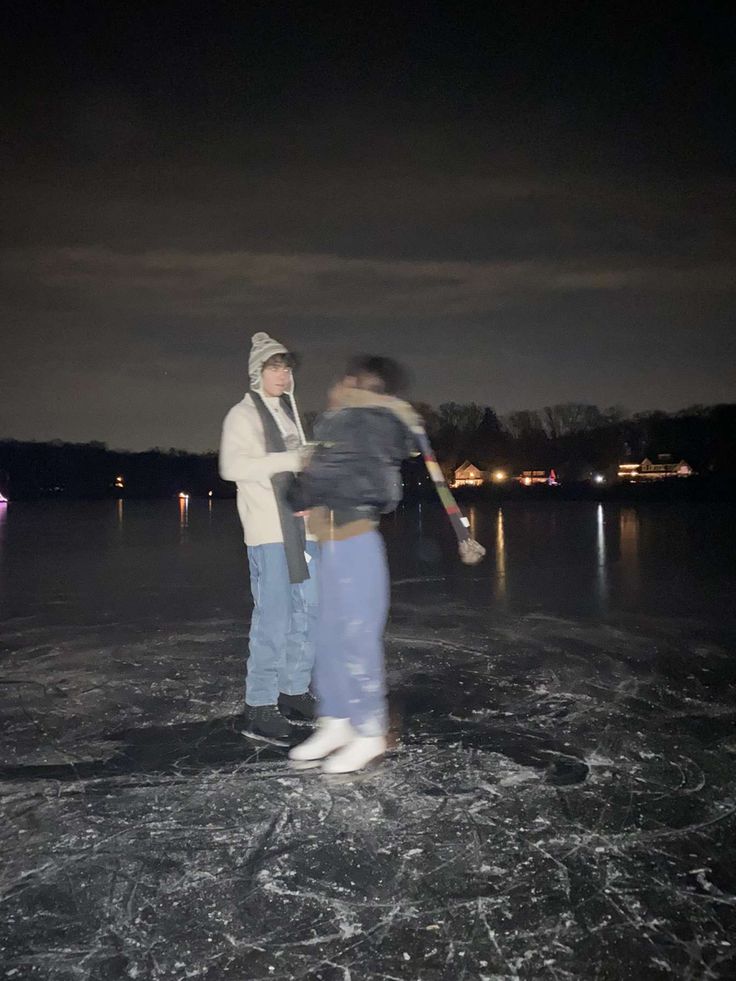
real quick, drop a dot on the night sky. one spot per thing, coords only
(527, 203)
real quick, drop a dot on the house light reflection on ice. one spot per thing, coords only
(183, 510)
(500, 557)
(629, 549)
(602, 572)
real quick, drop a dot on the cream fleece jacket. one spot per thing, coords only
(243, 459)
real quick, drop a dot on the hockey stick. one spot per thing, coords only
(471, 551)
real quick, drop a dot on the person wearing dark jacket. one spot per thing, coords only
(352, 478)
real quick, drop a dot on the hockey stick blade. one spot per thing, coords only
(471, 552)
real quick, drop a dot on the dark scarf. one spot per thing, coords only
(292, 528)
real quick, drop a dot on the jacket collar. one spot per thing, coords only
(346, 397)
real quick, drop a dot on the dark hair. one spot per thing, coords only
(283, 357)
(378, 374)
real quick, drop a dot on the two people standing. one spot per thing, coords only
(351, 478)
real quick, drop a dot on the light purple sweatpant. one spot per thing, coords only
(353, 606)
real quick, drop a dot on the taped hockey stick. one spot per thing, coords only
(471, 551)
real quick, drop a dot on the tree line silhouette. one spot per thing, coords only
(574, 438)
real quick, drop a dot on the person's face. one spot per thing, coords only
(276, 378)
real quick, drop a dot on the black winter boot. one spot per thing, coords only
(266, 723)
(298, 708)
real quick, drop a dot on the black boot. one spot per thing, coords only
(298, 708)
(266, 723)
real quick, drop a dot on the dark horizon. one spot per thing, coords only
(703, 433)
(525, 206)
(626, 415)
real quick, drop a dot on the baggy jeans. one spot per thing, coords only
(283, 626)
(354, 597)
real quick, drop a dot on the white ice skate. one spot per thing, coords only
(355, 755)
(330, 734)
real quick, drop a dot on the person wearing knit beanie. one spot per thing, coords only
(263, 348)
(262, 447)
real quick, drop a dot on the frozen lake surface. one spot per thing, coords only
(560, 801)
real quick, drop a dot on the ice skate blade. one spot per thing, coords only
(265, 740)
(299, 765)
(363, 771)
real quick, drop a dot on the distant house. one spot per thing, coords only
(468, 475)
(663, 468)
(529, 477)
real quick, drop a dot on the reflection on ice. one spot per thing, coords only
(602, 572)
(183, 511)
(500, 557)
(472, 520)
(629, 549)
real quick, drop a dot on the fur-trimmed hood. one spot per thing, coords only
(347, 397)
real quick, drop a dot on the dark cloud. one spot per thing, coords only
(528, 208)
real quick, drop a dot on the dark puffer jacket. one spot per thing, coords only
(356, 466)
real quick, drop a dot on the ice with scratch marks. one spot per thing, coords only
(559, 801)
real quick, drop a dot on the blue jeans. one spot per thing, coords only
(282, 627)
(349, 669)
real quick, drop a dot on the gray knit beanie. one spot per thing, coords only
(263, 348)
